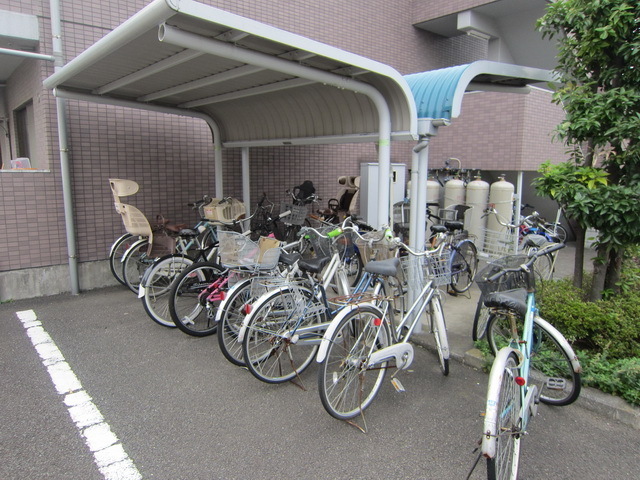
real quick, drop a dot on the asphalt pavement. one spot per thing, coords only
(91, 388)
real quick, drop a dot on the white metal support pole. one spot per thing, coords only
(518, 206)
(246, 184)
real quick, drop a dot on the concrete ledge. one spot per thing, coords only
(53, 280)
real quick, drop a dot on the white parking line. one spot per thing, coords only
(108, 453)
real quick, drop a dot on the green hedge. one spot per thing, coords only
(610, 327)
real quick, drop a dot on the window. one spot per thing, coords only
(25, 133)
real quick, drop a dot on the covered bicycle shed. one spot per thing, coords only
(259, 86)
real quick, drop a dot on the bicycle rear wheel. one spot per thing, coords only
(502, 420)
(551, 368)
(347, 385)
(464, 264)
(118, 249)
(156, 286)
(273, 351)
(439, 332)
(188, 311)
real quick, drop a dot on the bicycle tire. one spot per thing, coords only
(118, 249)
(502, 413)
(270, 354)
(157, 283)
(551, 368)
(344, 391)
(464, 264)
(230, 316)
(190, 313)
(560, 231)
(439, 332)
(134, 263)
(480, 319)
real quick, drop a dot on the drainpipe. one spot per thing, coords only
(188, 40)
(65, 170)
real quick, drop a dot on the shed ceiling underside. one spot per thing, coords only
(252, 104)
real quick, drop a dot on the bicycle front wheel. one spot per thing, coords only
(439, 332)
(346, 383)
(273, 350)
(464, 264)
(502, 419)
(157, 287)
(551, 368)
(231, 314)
(480, 319)
(188, 310)
(134, 263)
(557, 231)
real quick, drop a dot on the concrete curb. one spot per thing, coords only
(590, 399)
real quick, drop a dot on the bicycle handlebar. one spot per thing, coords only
(526, 267)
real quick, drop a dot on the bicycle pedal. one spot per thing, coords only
(187, 321)
(397, 385)
(556, 383)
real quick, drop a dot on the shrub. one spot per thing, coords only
(618, 377)
(609, 327)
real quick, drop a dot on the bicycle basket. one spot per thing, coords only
(223, 210)
(237, 250)
(320, 246)
(508, 281)
(375, 246)
(438, 267)
(297, 215)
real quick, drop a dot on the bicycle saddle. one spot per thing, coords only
(438, 229)
(313, 265)
(454, 225)
(515, 300)
(388, 267)
(188, 233)
(289, 258)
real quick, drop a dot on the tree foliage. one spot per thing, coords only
(599, 73)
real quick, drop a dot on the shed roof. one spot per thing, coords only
(261, 85)
(438, 93)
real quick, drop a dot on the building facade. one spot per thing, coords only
(171, 157)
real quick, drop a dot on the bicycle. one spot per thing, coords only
(364, 339)
(141, 255)
(194, 312)
(533, 363)
(281, 333)
(463, 256)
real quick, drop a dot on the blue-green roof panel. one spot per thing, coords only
(434, 91)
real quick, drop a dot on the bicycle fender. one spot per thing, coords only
(326, 338)
(564, 344)
(224, 302)
(489, 432)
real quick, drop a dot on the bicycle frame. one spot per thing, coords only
(311, 334)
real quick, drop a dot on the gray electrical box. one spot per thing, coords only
(369, 189)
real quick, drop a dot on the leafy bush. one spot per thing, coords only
(609, 327)
(618, 377)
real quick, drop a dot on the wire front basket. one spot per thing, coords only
(375, 246)
(239, 251)
(508, 281)
(296, 215)
(419, 270)
(499, 243)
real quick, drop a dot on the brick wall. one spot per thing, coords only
(172, 158)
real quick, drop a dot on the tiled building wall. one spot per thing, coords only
(501, 131)
(172, 158)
